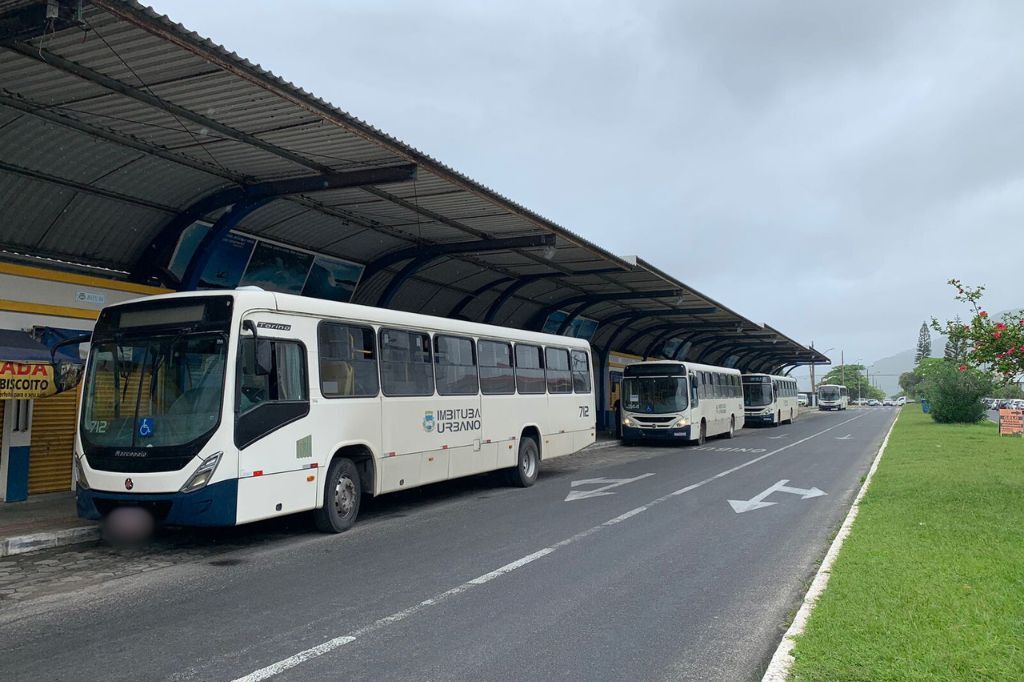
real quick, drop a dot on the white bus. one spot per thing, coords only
(680, 401)
(833, 397)
(770, 399)
(230, 407)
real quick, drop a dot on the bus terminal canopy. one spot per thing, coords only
(134, 147)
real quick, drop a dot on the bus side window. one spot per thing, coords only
(581, 372)
(529, 369)
(455, 360)
(559, 378)
(348, 361)
(407, 368)
(695, 389)
(496, 374)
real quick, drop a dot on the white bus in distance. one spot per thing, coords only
(230, 407)
(681, 401)
(770, 399)
(833, 397)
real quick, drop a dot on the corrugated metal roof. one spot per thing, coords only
(109, 129)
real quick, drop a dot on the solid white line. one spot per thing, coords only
(782, 660)
(332, 644)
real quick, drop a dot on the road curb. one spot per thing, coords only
(59, 538)
(782, 661)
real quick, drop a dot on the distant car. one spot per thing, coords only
(900, 402)
(801, 400)
(873, 403)
(888, 402)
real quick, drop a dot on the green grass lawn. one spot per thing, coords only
(930, 583)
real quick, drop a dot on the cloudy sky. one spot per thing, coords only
(822, 167)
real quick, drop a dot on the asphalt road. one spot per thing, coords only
(658, 578)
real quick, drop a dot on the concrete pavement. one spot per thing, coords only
(658, 577)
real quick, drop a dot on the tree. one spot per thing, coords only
(856, 382)
(956, 343)
(955, 395)
(924, 344)
(991, 345)
(910, 382)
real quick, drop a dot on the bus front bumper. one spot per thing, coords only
(214, 505)
(636, 433)
(755, 418)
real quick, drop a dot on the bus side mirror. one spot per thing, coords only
(264, 358)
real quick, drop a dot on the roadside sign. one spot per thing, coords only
(1011, 422)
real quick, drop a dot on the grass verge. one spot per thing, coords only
(930, 583)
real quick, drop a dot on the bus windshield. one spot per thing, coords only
(654, 395)
(757, 395)
(828, 393)
(153, 391)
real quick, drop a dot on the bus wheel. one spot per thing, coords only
(703, 433)
(778, 419)
(524, 474)
(341, 498)
(791, 415)
(732, 427)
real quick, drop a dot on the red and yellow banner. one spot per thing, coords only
(23, 380)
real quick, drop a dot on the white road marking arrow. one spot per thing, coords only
(597, 492)
(757, 501)
(846, 437)
(778, 437)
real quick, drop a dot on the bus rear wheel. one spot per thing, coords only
(341, 498)
(732, 427)
(524, 473)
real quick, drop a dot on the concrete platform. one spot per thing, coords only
(41, 522)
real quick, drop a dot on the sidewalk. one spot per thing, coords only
(41, 522)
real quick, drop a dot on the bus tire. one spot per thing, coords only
(791, 415)
(732, 427)
(778, 419)
(703, 433)
(524, 473)
(342, 494)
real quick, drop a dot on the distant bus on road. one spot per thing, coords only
(680, 401)
(833, 397)
(230, 407)
(770, 399)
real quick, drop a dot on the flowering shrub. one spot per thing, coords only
(955, 394)
(997, 345)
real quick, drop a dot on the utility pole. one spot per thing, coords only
(842, 367)
(810, 400)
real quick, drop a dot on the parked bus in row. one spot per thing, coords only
(230, 407)
(770, 399)
(833, 397)
(681, 401)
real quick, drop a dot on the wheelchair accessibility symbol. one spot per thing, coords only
(145, 427)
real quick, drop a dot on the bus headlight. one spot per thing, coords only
(83, 482)
(682, 421)
(627, 422)
(203, 474)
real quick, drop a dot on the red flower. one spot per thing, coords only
(963, 368)
(983, 314)
(1000, 325)
(996, 335)
(1010, 350)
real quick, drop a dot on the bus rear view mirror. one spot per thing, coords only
(264, 358)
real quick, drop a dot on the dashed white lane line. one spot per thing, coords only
(332, 644)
